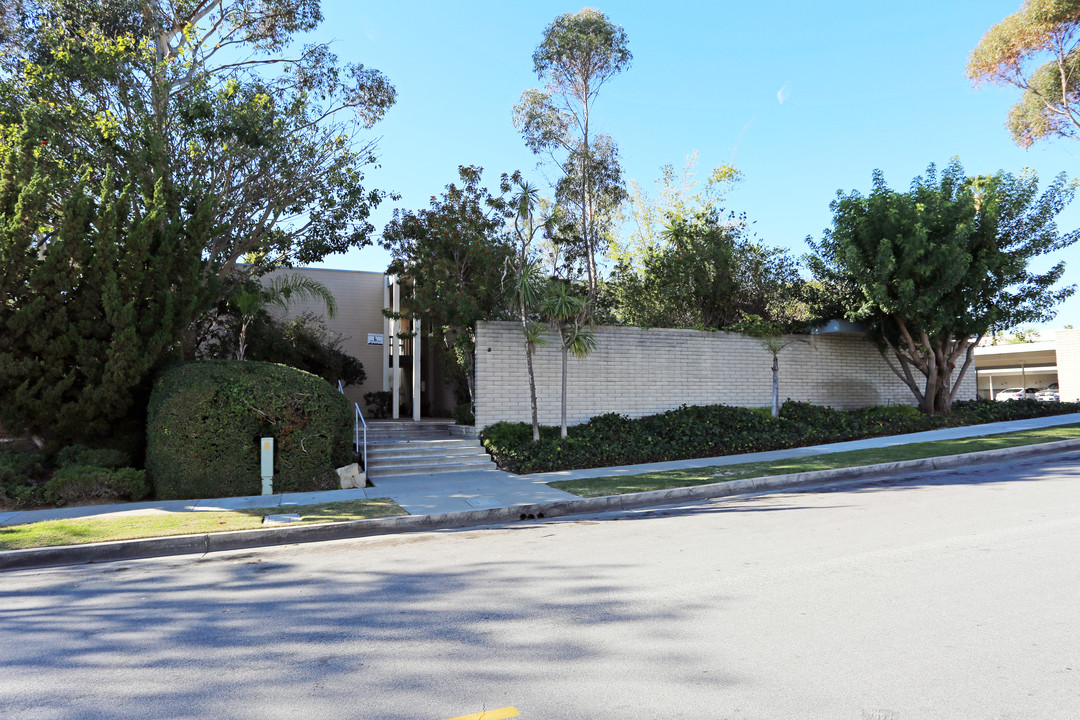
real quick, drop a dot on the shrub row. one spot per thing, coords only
(79, 474)
(715, 430)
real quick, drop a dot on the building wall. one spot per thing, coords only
(359, 298)
(639, 371)
(1068, 364)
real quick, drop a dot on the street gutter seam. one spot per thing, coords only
(205, 543)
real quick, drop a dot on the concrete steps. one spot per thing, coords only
(398, 448)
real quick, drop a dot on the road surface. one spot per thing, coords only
(953, 595)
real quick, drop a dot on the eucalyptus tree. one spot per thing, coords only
(579, 54)
(1036, 49)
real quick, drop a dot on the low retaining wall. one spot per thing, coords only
(641, 371)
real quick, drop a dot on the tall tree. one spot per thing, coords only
(453, 254)
(707, 272)
(934, 269)
(180, 138)
(1036, 49)
(579, 54)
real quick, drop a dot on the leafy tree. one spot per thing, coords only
(453, 254)
(932, 270)
(566, 313)
(578, 55)
(707, 274)
(212, 98)
(679, 197)
(144, 131)
(1036, 49)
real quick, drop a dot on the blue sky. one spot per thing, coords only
(804, 98)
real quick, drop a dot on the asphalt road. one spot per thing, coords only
(955, 595)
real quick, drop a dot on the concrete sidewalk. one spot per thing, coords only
(441, 493)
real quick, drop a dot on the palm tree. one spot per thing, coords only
(280, 293)
(526, 291)
(566, 313)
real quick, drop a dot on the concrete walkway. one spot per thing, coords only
(462, 491)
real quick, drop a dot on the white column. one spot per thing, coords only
(395, 328)
(416, 369)
(386, 335)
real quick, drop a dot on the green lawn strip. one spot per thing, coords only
(662, 480)
(160, 524)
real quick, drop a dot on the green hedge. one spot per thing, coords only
(716, 430)
(95, 484)
(205, 420)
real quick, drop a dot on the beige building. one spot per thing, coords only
(1054, 357)
(368, 334)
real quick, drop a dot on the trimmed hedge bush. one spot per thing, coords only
(716, 430)
(90, 484)
(205, 419)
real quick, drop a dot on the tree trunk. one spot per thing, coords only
(532, 376)
(775, 385)
(565, 351)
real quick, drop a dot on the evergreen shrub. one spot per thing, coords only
(985, 411)
(22, 477)
(91, 484)
(79, 454)
(716, 430)
(205, 420)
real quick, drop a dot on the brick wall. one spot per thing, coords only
(1067, 344)
(639, 371)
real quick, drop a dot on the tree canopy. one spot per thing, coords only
(154, 153)
(580, 52)
(453, 255)
(214, 99)
(935, 268)
(1036, 49)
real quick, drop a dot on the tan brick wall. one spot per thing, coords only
(639, 371)
(1067, 344)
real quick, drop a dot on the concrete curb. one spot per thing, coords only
(284, 535)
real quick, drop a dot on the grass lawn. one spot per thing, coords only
(159, 524)
(619, 485)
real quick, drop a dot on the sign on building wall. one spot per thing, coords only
(374, 339)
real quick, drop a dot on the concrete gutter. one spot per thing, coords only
(284, 535)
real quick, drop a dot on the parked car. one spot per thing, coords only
(1049, 394)
(1017, 394)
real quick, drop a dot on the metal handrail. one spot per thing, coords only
(358, 420)
(356, 432)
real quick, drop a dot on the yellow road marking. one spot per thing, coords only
(500, 714)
